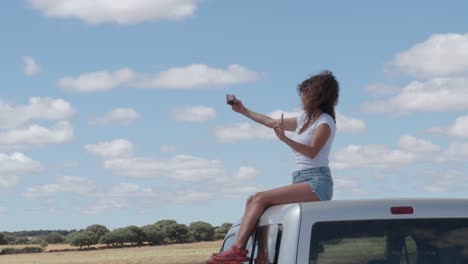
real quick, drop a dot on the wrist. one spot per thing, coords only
(285, 139)
(244, 111)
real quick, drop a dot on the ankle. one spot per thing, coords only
(239, 246)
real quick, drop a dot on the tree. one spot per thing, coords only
(10, 239)
(221, 231)
(166, 222)
(37, 241)
(83, 238)
(201, 231)
(44, 244)
(21, 241)
(173, 232)
(108, 239)
(3, 241)
(180, 234)
(99, 230)
(69, 237)
(154, 235)
(120, 236)
(55, 238)
(139, 237)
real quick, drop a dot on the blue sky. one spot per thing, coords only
(116, 115)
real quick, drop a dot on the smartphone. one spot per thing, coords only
(230, 99)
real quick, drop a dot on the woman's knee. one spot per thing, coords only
(249, 200)
(259, 199)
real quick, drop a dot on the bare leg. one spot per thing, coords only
(256, 204)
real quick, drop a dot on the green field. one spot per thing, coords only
(167, 254)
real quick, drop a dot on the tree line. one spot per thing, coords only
(159, 233)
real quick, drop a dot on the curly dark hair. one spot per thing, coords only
(321, 91)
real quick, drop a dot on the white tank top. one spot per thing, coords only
(321, 160)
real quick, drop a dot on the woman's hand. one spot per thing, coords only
(279, 129)
(238, 106)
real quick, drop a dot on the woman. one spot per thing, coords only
(314, 131)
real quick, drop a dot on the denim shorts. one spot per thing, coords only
(319, 179)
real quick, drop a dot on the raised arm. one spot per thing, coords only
(290, 124)
(320, 137)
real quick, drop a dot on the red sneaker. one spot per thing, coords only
(232, 256)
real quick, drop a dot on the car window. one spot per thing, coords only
(267, 244)
(421, 241)
(228, 241)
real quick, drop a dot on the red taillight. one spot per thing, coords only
(402, 210)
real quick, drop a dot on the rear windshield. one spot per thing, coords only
(419, 241)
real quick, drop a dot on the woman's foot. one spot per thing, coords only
(234, 255)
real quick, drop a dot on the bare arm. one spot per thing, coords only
(290, 124)
(320, 137)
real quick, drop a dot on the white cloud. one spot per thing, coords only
(447, 181)
(14, 165)
(199, 76)
(121, 12)
(64, 184)
(442, 55)
(277, 114)
(97, 81)
(370, 156)
(35, 135)
(39, 108)
(242, 131)
(248, 130)
(456, 152)
(124, 189)
(188, 77)
(436, 95)
(381, 89)
(3, 210)
(143, 199)
(7, 181)
(167, 148)
(414, 144)
(457, 129)
(246, 173)
(31, 67)
(194, 114)
(114, 149)
(239, 190)
(347, 124)
(118, 116)
(149, 194)
(18, 163)
(128, 195)
(207, 177)
(101, 206)
(180, 167)
(347, 187)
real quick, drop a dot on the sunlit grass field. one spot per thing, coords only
(167, 254)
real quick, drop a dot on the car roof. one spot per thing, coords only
(381, 208)
(361, 209)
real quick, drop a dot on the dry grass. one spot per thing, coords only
(49, 247)
(168, 254)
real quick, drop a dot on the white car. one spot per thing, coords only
(390, 231)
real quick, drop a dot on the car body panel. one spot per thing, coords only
(297, 219)
(313, 212)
